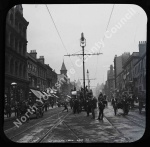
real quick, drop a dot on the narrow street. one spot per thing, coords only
(57, 126)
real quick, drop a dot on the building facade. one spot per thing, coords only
(32, 69)
(139, 70)
(132, 78)
(128, 67)
(15, 55)
(118, 63)
(111, 82)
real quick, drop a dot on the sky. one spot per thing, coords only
(91, 19)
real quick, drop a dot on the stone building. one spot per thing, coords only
(15, 54)
(139, 70)
(118, 63)
(32, 69)
(41, 73)
(64, 81)
(110, 82)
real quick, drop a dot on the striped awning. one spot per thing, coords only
(36, 93)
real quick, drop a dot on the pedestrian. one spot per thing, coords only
(65, 107)
(76, 106)
(88, 107)
(101, 110)
(79, 106)
(93, 106)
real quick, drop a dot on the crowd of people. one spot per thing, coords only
(19, 108)
(90, 105)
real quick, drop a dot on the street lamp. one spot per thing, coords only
(83, 44)
(82, 40)
(14, 86)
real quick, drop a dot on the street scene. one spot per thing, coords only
(75, 73)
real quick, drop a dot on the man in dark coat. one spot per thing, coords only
(76, 106)
(88, 106)
(93, 106)
(65, 107)
(101, 106)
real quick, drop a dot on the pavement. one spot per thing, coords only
(13, 117)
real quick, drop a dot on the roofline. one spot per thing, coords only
(140, 59)
(129, 59)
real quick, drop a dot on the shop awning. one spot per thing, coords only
(36, 93)
(42, 95)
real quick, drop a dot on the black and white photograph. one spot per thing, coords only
(75, 73)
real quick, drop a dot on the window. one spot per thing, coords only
(32, 67)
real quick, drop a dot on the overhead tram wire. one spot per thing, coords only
(59, 34)
(56, 29)
(106, 30)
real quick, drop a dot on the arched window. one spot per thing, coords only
(12, 66)
(6, 64)
(16, 44)
(11, 19)
(11, 40)
(16, 68)
(20, 70)
(20, 47)
(24, 71)
(20, 27)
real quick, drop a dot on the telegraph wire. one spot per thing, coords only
(56, 29)
(59, 34)
(106, 30)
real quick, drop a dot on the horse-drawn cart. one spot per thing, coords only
(38, 109)
(121, 104)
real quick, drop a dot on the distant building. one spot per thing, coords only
(133, 74)
(139, 70)
(64, 81)
(110, 82)
(118, 63)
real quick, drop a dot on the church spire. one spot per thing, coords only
(63, 68)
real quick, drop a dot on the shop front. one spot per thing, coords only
(15, 90)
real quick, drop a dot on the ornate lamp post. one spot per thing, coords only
(83, 44)
(14, 86)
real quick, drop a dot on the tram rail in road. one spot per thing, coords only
(33, 126)
(50, 130)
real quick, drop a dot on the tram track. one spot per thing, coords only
(47, 134)
(135, 122)
(118, 131)
(8, 130)
(18, 134)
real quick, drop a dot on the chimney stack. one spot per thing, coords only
(41, 59)
(33, 53)
(142, 48)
